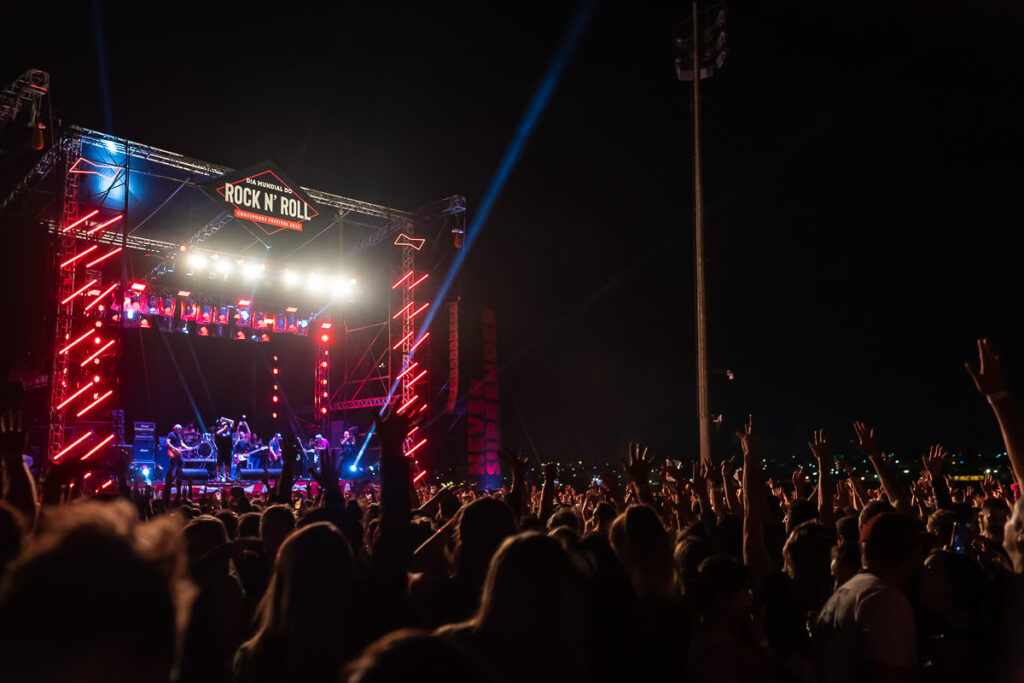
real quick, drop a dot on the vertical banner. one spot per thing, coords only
(483, 413)
(453, 355)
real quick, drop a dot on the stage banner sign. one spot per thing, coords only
(264, 195)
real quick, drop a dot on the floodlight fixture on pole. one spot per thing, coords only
(698, 53)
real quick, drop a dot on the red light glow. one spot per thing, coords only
(74, 443)
(98, 352)
(80, 290)
(184, 292)
(422, 339)
(325, 326)
(103, 225)
(419, 310)
(95, 403)
(100, 296)
(95, 448)
(425, 276)
(404, 309)
(103, 258)
(408, 403)
(138, 286)
(403, 279)
(244, 302)
(418, 377)
(419, 476)
(73, 396)
(78, 256)
(407, 370)
(415, 448)
(81, 220)
(402, 341)
(325, 338)
(74, 343)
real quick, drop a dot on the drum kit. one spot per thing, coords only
(200, 448)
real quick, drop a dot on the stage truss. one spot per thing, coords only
(87, 268)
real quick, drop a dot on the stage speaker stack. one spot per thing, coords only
(144, 450)
(195, 474)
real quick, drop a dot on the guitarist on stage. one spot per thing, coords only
(175, 451)
(274, 451)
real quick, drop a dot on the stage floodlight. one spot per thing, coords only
(290, 279)
(251, 271)
(316, 283)
(196, 261)
(223, 266)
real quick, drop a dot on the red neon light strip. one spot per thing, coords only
(422, 339)
(404, 278)
(75, 258)
(109, 482)
(418, 310)
(401, 341)
(407, 404)
(416, 379)
(87, 286)
(425, 276)
(103, 225)
(103, 294)
(406, 371)
(81, 220)
(404, 309)
(412, 431)
(98, 446)
(92, 405)
(73, 396)
(415, 448)
(101, 350)
(72, 344)
(422, 408)
(419, 476)
(90, 264)
(73, 444)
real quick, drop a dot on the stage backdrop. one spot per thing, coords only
(172, 377)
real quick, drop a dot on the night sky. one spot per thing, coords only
(861, 169)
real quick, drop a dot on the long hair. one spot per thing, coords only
(309, 590)
(645, 550)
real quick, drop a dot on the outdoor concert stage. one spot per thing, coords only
(180, 291)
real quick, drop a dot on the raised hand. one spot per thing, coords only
(987, 376)
(933, 460)
(550, 472)
(515, 463)
(821, 449)
(728, 467)
(701, 470)
(866, 442)
(750, 440)
(639, 464)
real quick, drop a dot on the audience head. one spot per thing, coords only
(891, 547)
(992, 518)
(92, 598)
(645, 550)
(409, 655)
(485, 523)
(249, 525)
(276, 523)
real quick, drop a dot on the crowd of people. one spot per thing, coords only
(710, 574)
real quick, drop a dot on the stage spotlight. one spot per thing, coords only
(316, 283)
(196, 261)
(290, 278)
(223, 266)
(343, 286)
(252, 271)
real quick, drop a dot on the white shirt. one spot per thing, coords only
(865, 620)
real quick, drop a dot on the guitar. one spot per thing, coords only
(244, 457)
(172, 454)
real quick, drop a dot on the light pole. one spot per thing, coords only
(697, 54)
